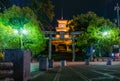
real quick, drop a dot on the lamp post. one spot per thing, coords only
(117, 8)
(20, 32)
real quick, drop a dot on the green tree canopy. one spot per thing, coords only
(82, 21)
(97, 32)
(16, 18)
(103, 34)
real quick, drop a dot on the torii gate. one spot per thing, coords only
(50, 38)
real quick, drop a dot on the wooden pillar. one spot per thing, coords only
(50, 46)
(56, 47)
(67, 48)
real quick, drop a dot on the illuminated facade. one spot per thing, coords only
(63, 41)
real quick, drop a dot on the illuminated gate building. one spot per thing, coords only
(63, 41)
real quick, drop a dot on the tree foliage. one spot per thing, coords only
(101, 33)
(82, 21)
(16, 18)
(44, 9)
(104, 34)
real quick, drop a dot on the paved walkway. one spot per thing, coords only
(78, 71)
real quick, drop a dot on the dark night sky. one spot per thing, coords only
(103, 8)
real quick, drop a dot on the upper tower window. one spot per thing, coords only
(61, 25)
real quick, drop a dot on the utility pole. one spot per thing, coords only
(117, 8)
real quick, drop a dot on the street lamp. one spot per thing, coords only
(103, 36)
(21, 32)
(105, 33)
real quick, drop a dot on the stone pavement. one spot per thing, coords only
(78, 71)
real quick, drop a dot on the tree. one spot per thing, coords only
(82, 21)
(16, 18)
(104, 34)
(44, 9)
(93, 28)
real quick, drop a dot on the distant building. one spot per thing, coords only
(62, 44)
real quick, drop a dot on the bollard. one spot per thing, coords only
(43, 64)
(63, 63)
(51, 63)
(86, 62)
(108, 62)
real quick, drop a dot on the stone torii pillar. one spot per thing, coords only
(50, 33)
(73, 43)
(73, 47)
(50, 47)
